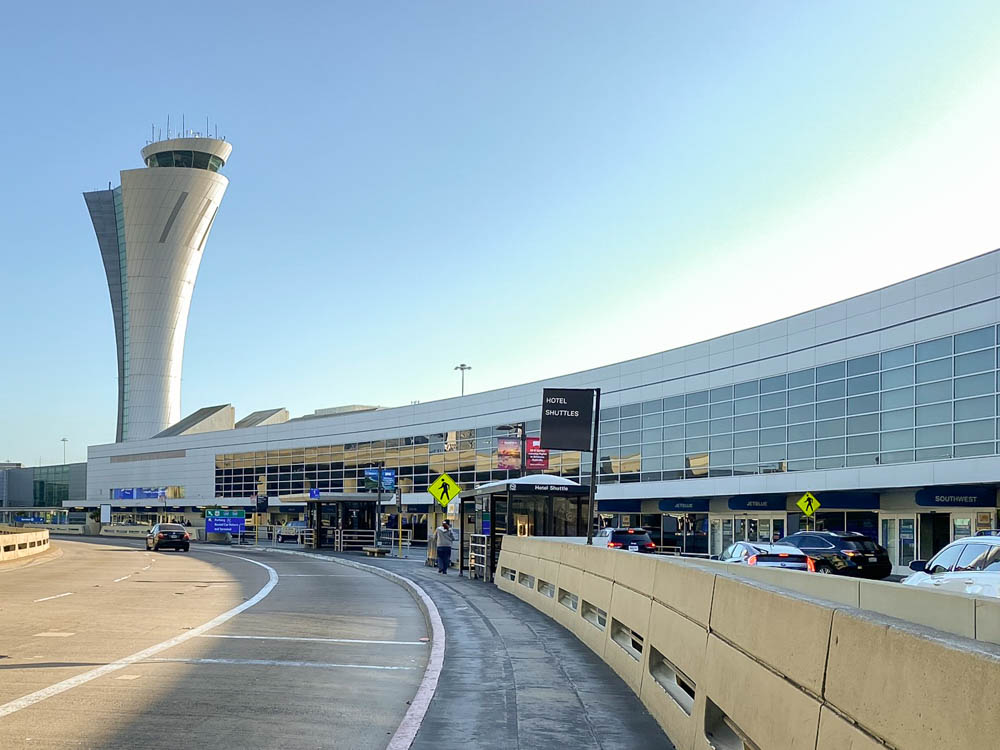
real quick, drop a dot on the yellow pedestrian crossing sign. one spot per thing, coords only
(808, 504)
(444, 490)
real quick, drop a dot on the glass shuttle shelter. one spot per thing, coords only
(524, 509)
(348, 511)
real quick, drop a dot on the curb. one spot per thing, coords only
(407, 730)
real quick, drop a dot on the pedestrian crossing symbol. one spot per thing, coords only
(808, 504)
(444, 490)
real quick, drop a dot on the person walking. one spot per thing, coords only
(444, 536)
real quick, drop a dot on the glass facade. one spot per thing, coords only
(468, 456)
(185, 159)
(925, 402)
(930, 401)
(123, 269)
(50, 485)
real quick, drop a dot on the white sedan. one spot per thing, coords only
(966, 566)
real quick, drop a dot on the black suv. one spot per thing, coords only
(845, 553)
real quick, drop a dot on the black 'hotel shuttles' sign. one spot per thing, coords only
(567, 418)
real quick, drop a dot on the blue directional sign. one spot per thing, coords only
(314, 494)
(222, 521)
(388, 479)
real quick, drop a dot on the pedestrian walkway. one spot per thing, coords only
(516, 679)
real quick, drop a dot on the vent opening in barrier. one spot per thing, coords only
(568, 600)
(628, 639)
(546, 589)
(675, 683)
(594, 615)
(723, 733)
(507, 573)
(525, 580)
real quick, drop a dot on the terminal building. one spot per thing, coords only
(883, 406)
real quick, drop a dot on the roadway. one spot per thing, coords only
(106, 645)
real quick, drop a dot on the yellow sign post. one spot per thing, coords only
(444, 490)
(808, 504)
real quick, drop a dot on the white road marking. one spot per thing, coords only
(316, 640)
(122, 578)
(39, 695)
(52, 634)
(57, 596)
(406, 732)
(272, 663)
(129, 677)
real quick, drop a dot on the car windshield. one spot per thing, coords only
(865, 545)
(631, 537)
(171, 527)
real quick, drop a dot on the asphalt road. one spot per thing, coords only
(105, 645)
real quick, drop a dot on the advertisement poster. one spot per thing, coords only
(509, 453)
(536, 457)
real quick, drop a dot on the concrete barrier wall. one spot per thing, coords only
(731, 661)
(58, 528)
(196, 533)
(16, 543)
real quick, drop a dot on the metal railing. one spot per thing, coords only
(346, 540)
(399, 544)
(479, 564)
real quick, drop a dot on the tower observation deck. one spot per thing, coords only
(152, 231)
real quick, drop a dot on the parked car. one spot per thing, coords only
(291, 531)
(168, 536)
(767, 556)
(966, 566)
(846, 553)
(630, 540)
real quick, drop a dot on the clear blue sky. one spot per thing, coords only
(530, 187)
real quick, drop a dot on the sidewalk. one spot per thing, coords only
(515, 679)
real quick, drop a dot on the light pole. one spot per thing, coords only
(517, 428)
(463, 367)
(64, 441)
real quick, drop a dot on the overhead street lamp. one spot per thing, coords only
(64, 441)
(463, 367)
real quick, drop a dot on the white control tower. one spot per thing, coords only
(152, 231)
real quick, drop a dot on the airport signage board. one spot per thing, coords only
(535, 456)
(222, 521)
(567, 418)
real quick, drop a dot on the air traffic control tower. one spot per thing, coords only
(152, 231)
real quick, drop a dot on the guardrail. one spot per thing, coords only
(56, 528)
(346, 540)
(16, 543)
(728, 661)
(398, 543)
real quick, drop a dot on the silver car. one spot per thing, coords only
(966, 566)
(767, 556)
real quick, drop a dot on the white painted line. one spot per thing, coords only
(57, 596)
(406, 732)
(316, 640)
(273, 663)
(52, 634)
(129, 677)
(39, 695)
(122, 578)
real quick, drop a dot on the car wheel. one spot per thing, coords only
(156, 548)
(825, 569)
(187, 548)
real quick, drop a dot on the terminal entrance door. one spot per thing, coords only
(725, 530)
(935, 533)
(899, 537)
